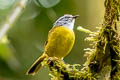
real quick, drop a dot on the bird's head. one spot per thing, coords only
(66, 21)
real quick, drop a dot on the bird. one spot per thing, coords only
(60, 41)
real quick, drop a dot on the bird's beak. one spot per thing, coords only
(75, 16)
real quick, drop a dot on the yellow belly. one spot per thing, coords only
(60, 42)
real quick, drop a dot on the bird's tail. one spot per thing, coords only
(36, 65)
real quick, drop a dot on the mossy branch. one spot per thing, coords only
(11, 19)
(61, 71)
(106, 50)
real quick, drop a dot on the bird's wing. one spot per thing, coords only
(49, 34)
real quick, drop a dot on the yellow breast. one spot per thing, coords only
(60, 42)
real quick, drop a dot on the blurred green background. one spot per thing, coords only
(26, 38)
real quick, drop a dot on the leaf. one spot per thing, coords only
(6, 3)
(80, 28)
(48, 3)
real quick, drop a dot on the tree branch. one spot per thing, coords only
(106, 50)
(17, 10)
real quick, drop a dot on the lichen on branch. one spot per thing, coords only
(61, 71)
(106, 51)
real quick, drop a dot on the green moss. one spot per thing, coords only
(61, 71)
(106, 44)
